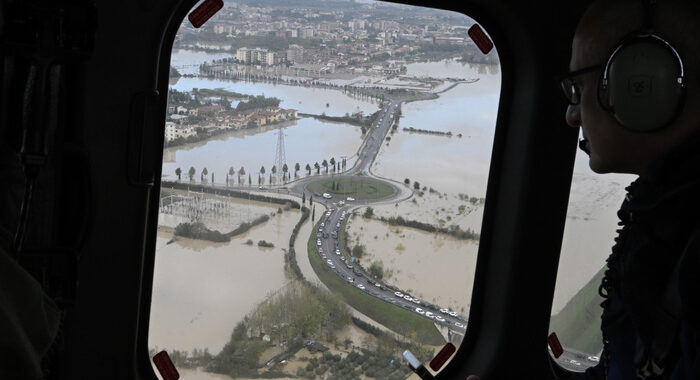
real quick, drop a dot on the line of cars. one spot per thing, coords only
(427, 313)
(357, 283)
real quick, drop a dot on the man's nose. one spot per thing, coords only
(573, 115)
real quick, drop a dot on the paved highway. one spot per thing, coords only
(327, 244)
(341, 263)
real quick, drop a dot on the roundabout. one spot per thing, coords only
(360, 188)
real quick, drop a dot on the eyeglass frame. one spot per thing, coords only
(570, 87)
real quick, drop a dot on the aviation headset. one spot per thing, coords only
(643, 83)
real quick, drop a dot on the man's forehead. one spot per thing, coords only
(604, 25)
(586, 51)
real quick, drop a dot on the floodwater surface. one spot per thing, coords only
(202, 289)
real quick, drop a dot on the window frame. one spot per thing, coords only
(520, 155)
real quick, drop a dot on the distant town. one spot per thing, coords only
(334, 36)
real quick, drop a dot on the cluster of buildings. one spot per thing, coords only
(207, 120)
(294, 53)
(344, 37)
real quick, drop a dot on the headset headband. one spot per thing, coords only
(655, 37)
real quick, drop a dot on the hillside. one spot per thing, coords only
(578, 323)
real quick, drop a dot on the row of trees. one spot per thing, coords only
(232, 173)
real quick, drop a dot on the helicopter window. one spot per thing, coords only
(323, 187)
(590, 227)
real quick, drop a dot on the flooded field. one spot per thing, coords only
(591, 224)
(303, 99)
(434, 267)
(437, 209)
(448, 164)
(307, 141)
(188, 61)
(202, 289)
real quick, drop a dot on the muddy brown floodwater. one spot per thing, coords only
(434, 267)
(202, 289)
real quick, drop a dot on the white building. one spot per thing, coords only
(271, 58)
(173, 131)
(244, 55)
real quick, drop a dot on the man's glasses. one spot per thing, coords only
(571, 88)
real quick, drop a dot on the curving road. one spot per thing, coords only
(331, 221)
(344, 266)
(327, 242)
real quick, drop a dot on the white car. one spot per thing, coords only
(459, 325)
(420, 311)
(574, 362)
(329, 261)
(327, 196)
(439, 318)
(408, 298)
(398, 294)
(453, 313)
(341, 203)
(594, 358)
(361, 286)
(350, 279)
(349, 199)
(318, 242)
(416, 301)
(444, 311)
(337, 252)
(429, 315)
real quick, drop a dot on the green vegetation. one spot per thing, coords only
(453, 230)
(369, 212)
(360, 188)
(403, 94)
(578, 324)
(347, 119)
(265, 244)
(197, 230)
(257, 102)
(245, 226)
(383, 363)
(358, 251)
(376, 270)
(217, 92)
(288, 318)
(400, 320)
(290, 259)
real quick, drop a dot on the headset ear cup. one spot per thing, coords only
(642, 84)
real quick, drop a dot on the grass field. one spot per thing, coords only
(397, 319)
(578, 324)
(360, 188)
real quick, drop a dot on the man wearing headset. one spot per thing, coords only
(634, 89)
